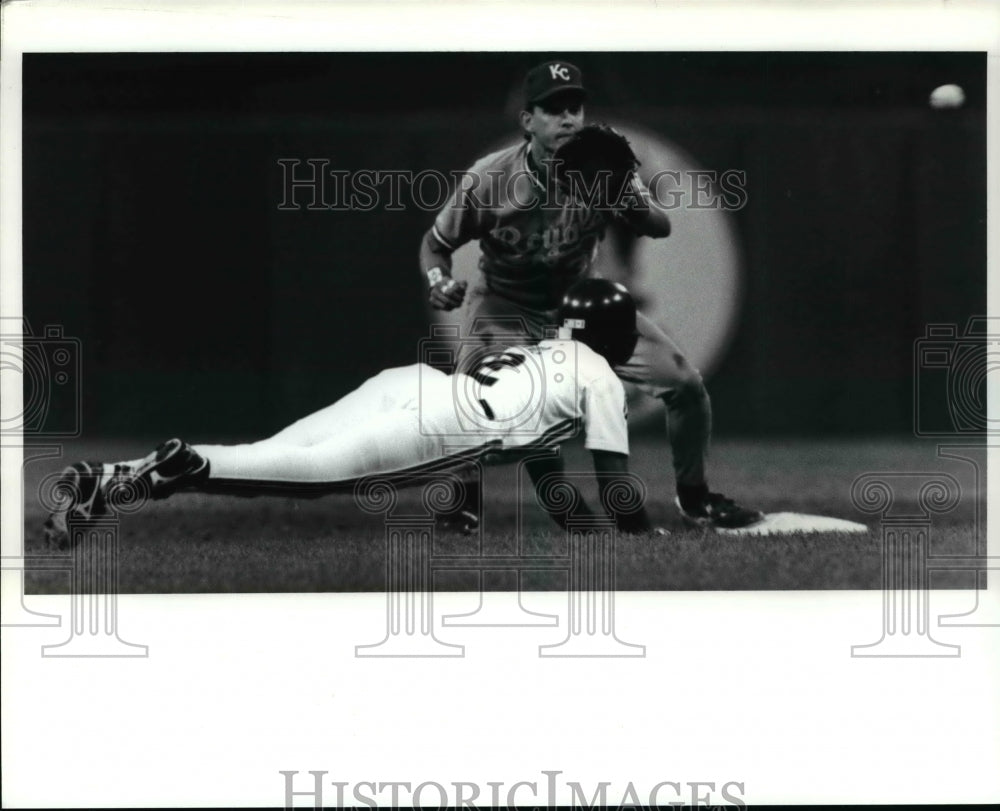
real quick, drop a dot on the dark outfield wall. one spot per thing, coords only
(152, 228)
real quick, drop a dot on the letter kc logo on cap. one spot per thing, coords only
(550, 78)
(559, 71)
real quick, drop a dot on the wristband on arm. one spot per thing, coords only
(434, 275)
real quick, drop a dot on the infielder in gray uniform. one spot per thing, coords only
(536, 240)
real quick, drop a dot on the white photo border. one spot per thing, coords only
(758, 688)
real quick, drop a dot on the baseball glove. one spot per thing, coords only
(596, 165)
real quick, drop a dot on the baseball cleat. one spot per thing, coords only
(717, 511)
(87, 490)
(80, 494)
(173, 466)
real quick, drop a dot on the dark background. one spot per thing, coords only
(152, 231)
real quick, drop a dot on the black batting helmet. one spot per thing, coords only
(601, 314)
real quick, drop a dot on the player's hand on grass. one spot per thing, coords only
(654, 532)
(447, 294)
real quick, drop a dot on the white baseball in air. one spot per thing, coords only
(947, 96)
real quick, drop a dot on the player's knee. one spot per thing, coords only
(693, 391)
(675, 372)
(686, 384)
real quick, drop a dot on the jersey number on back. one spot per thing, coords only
(494, 363)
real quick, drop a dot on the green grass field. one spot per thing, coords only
(197, 543)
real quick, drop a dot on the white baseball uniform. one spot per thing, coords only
(406, 421)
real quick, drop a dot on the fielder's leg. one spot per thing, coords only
(659, 368)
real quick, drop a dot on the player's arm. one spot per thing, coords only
(619, 493)
(435, 262)
(559, 497)
(606, 429)
(454, 225)
(641, 213)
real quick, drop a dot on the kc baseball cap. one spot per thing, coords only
(550, 78)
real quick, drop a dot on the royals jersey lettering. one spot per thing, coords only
(534, 242)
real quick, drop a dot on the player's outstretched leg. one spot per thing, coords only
(84, 490)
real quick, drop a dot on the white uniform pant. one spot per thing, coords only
(397, 424)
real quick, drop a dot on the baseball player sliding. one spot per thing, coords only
(408, 423)
(538, 235)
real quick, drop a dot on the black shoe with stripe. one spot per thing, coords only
(173, 466)
(80, 496)
(87, 490)
(715, 510)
